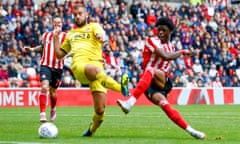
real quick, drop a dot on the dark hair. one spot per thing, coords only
(76, 6)
(56, 16)
(165, 21)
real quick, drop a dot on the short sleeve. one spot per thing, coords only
(98, 29)
(66, 44)
(152, 43)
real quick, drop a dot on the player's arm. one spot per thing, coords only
(60, 53)
(99, 33)
(33, 49)
(101, 37)
(171, 55)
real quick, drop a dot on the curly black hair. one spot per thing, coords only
(165, 21)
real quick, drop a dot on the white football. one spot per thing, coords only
(48, 130)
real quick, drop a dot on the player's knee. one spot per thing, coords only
(93, 72)
(45, 86)
(99, 111)
(52, 93)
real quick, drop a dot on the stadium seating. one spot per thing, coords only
(202, 27)
(34, 83)
(4, 84)
(34, 77)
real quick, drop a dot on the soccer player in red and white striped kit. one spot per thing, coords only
(154, 82)
(50, 70)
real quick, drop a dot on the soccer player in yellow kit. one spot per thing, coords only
(85, 43)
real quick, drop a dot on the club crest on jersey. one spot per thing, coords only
(87, 29)
(44, 76)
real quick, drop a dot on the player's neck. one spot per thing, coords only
(164, 41)
(81, 26)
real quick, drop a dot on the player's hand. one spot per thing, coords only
(101, 38)
(186, 52)
(27, 49)
(57, 30)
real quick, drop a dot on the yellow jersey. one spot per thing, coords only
(83, 44)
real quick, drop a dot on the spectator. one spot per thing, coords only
(134, 9)
(26, 61)
(4, 73)
(192, 83)
(217, 82)
(111, 60)
(141, 25)
(200, 83)
(121, 61)
(13, 83)
(67, 80)
(197, 67)
(235, 82)
(211, 33)
(212, 72)
(12, 72)
(151, 19)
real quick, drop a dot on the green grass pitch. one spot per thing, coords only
(143, 125)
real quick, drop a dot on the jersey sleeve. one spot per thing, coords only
(153, 44)
(43, 38)
(65, 46)
(97, 29)
(63, 37)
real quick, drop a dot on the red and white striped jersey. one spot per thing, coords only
(220, 2)
(150, 59)
(49, 58)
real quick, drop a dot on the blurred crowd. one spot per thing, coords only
(211, 32)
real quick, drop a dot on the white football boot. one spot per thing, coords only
(198, 134)
(125, 106)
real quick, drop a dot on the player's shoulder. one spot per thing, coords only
(94, 24)
(63, 33)
(153, 39)
(46, 33)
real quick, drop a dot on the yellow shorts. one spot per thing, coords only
(78, 70)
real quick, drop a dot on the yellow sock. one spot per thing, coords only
(96, 121)
(108, 82)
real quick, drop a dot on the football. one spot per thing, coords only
(48, 130)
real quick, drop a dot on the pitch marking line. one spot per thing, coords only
(15, 142)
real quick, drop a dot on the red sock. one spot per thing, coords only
(43, 101)
(53, 101)
(173, 114)
(143, 84)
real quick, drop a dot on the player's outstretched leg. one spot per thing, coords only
(109, 83)
(141, 87)
(175, 116)
(195, 133)
(88, 132)
(96, 122)
(126, 105)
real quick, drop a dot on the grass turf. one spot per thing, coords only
(144, 124)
